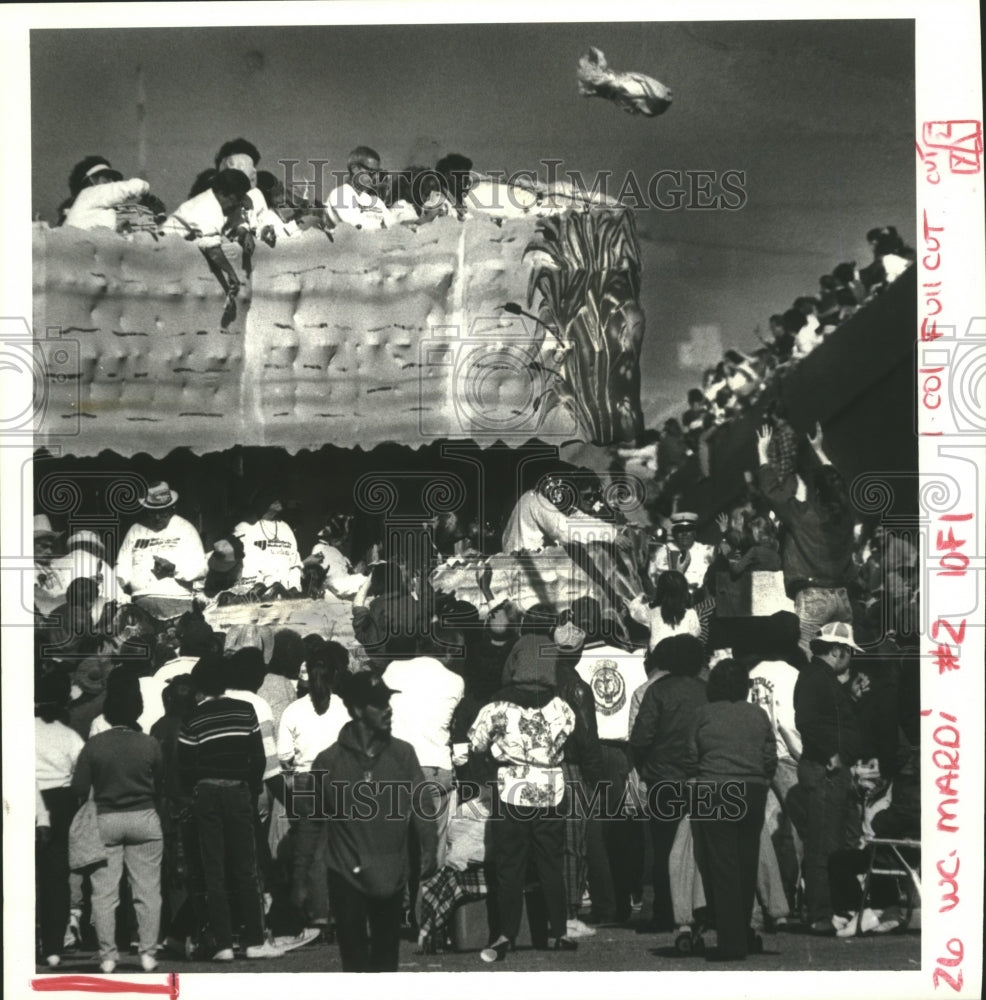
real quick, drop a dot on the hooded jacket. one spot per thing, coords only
(362, 810)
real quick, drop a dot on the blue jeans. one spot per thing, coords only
(827, 797)
(224, 815)
(817, 606)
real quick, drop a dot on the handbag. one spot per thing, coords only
(86, 850)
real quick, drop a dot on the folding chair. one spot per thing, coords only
(904, 869)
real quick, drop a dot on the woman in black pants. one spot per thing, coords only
(732, 754)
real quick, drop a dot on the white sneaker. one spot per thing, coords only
(265, 950)
(223, 955)
(291, 941)
(107, 967)
(869, 921)
(841, 923)
(574, 928)
(53, 961)
(147, 961)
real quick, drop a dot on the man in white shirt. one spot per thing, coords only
(683, 553)
(204, 217)
(359, 201)
(426, 695)
(270, 551)
(613, 674)
(538, 521)
(242, 155)
(161, 557)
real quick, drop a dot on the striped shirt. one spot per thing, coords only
(221, 739)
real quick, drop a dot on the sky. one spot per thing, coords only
(817, 117)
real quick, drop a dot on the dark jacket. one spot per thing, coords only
(825, 715)
(663, 727)
(817, 546)
(732, 740)
(363, 809)
(582, 748)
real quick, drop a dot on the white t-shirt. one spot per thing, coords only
(360, 208)
(339, 576)
(429, 693)
(95, 207)
(641, 611)
(772, 688)
(56, 749)
(270, 554)
(535, 523)
(178, 542)
(202, 215)
(613, 674)
(303, 734)
(175, 668)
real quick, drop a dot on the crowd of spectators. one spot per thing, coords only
(744, 382)
(244, 788)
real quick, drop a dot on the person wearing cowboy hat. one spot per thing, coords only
(825, 716)
(161, 555)
(50, 578)
(683, 553)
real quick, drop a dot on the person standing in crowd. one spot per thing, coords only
(612, 673)
(49, 579)
(182, 880)
(366, 838)
(826, 719)
(221, 758)
(818, 544)
(280, 686)
(426, 696)
(307, 727)
(732, 752)
(525, 728)
(583, 769)
(772, 683)
(161, 556)
(195, 640)
(659, 740)
(683, 553)
(122, 767)
(56, 751)
(670, 612)
(359, 201)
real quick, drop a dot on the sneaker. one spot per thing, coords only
(53, 961)
(840, 923)
(496, 951)
(147, 961)
(289, 942)
(223, 955)
(107, 967)
(575, 928)
(636, 903)
(265, 950)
